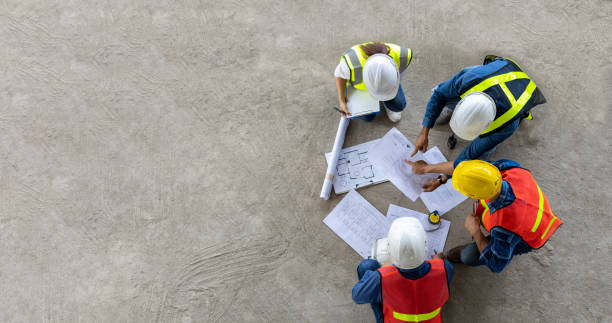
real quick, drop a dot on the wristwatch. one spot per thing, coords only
(442, 179)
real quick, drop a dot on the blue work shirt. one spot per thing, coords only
(503, 244)
(449, 93)
(369, 287)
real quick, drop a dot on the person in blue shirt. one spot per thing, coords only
(515, 228)
(485, 104)
(407, 281)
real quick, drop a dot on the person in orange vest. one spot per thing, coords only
(407, 288)
(510, 206)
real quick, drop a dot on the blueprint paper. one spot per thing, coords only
(354, 168)
(331, 167)
(435, 239)
(445, 197)
(389, 154)
(357, 222)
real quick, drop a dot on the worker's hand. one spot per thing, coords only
(418, 167)
(343, 107)
(439, 255)
(431, 185)
(472, 224)
(421, 142)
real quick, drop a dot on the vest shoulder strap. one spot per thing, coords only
(516, 104)
(387, 271)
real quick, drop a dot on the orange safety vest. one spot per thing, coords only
(529, 215)
(421, 300)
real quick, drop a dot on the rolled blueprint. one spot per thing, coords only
(331, 166)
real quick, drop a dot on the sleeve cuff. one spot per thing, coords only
(427, 122)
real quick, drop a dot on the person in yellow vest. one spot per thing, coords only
(485, 104)
(510, 206)
(377, 68)
(408, 287)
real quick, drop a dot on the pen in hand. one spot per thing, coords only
(338, 109)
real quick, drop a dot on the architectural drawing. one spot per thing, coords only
(354, 169)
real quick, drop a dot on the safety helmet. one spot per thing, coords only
(477, 179)
(380, 250)
(381, 77)
(407, 243)
(473, 115)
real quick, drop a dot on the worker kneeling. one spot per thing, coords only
(376, 68)
(407, 288)
(485, 105)
(510, 205)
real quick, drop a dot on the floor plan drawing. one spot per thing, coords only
(354, 169)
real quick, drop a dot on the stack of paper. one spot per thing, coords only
(389, 154)
(436, 235)
(359, 224)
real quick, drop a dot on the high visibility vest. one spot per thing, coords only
(420, 300)
(355, 58)
(508, 107)
(529, 215)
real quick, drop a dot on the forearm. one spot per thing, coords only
(425, 131)
(443, 168)
(481, 241)
(340, 88)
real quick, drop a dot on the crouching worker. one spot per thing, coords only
(511, 207)
(407, 288)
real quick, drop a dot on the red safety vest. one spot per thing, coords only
(421, 300)
(529, 215)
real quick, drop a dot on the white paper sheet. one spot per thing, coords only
(357, 222)
(331, 167)
(354, 169)
(360, 103)
(445, 197)
(389, 154)
(435, 239)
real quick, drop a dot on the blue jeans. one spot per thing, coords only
(470, 255)
(371, 264)
(397, 104)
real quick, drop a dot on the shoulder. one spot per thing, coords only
(504, 164)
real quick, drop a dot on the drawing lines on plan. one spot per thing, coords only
(354, 168)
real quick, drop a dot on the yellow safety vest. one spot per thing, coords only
(355, 58)
(517, 104)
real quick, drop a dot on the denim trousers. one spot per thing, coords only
(365, 265)
(397, 104)
(470, 255)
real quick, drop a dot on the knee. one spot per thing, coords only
(470, 255)
(368, 118)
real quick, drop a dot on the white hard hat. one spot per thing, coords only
(473, 115)
(407, 243)
(381, 77)
(380, 250)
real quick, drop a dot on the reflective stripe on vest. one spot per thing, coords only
(486, 209)
(516, 105)
(516, 217)
(416, 317)
(355, 59)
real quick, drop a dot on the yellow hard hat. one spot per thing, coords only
(477, 179)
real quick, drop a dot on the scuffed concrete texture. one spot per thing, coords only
(162, 161)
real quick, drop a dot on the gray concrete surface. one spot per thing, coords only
(161, 161)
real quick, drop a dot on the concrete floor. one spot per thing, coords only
(162, 162)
